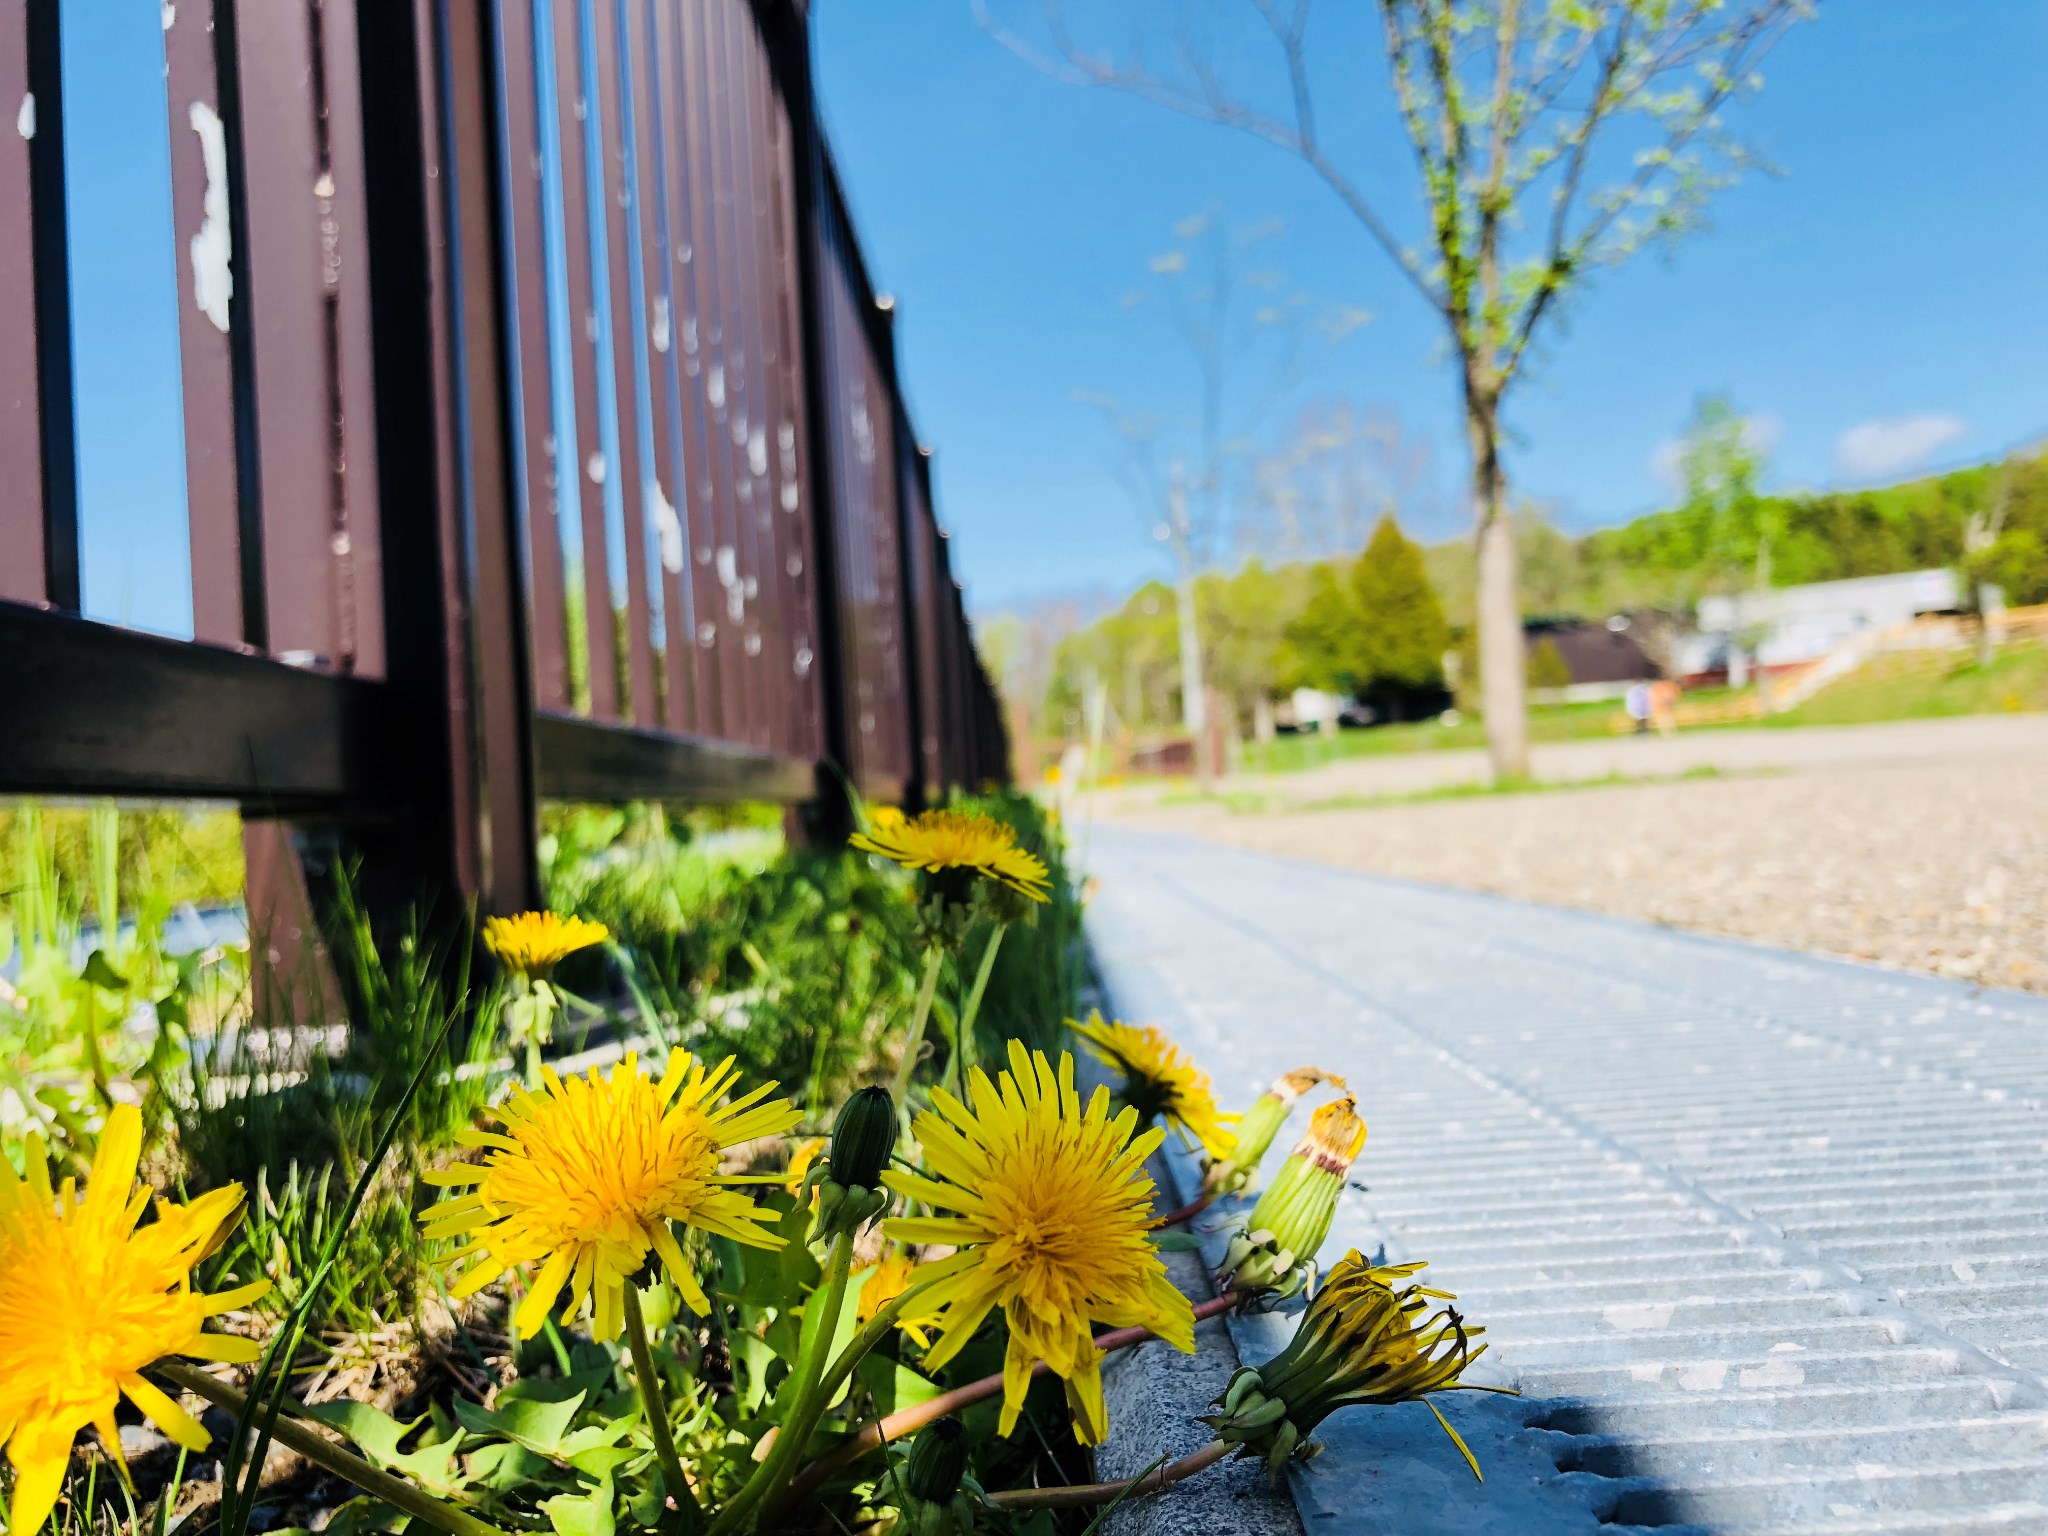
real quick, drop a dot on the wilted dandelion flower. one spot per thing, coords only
(532, 944)
(89, 1300)
(1292, 1217)
(1257, 1127)
(1360, 1341)
(1053, 1215)
(943, 842)
(587, 1175)
(1161, 1081)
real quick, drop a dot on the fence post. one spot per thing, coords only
(454, 607)
(785, 25)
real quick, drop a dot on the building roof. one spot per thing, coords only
(1593, 652)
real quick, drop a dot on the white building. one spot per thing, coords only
(1784, 626)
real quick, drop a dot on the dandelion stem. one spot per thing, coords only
(896, 1425)
(934, 958)
(1187, 1212)
(963, 1058)
(1075, 1495)
(806, 1402)
(322, 1452)
(656, 1405)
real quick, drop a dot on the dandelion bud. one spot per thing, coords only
(937, 1496)
(1360, 1341)
(1279, 1240)
(1261, 1123)
(938, 1459)
(862, 1138)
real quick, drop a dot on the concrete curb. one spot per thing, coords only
(1155, 1393)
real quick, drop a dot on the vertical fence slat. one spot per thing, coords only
(785, 510)
(737, 573)
(792, 448)
(301, 153)
(204, 249)
(620, 216)
(671, 541)
(355, 534)
(571, 108)
(720, 574)
(525, 197)
(696, 480)
(23, 548)
(768, 636)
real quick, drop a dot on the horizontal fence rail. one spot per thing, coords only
(543, 435)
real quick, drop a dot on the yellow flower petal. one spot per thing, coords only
(589, 1173)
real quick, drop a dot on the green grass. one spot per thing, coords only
(1939, 685)
(1906, 686)
(1246, 804)
(1547, 722)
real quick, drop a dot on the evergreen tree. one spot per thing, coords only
(1322, 642)
(1402, 635)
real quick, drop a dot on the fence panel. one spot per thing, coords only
(477, 308)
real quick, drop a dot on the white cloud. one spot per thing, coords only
(1892, 445)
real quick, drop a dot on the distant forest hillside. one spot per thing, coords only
(1334, 624)
(1670, 559)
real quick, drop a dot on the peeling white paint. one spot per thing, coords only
(212, 245)
(25, 119)
(753, 643)
(757, 452)
(1645, 1372)
(170, 15)
(802, 660)
(668, 527)
(714, 386)
(1635, 1316)
(729, 578)
(661, 325)
(594, 467)
(1963, 1270)
(1774, 1373)
(1707, 1376)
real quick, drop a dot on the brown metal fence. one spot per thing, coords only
(542, 427)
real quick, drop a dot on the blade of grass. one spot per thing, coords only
(267, 1391)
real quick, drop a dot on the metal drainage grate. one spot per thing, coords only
(1762, 1239)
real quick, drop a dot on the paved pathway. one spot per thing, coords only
(1762, 1239)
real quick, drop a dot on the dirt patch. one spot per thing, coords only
(1933, 867)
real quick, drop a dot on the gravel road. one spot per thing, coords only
(1922, 846)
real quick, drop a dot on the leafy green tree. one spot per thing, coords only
(1402, 635)
(1547, 666)
(1550, 139)
(1322, 641)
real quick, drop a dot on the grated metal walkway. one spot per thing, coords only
(1762, 1239)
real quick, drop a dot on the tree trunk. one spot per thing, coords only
(1194, 712)
(1262, 717)
(1503, 663)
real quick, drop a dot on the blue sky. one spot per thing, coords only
(1883, 295)
(1878, 305)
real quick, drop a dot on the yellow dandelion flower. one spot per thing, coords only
(89, 1300)
(1054, 1210)
(807, 1152)
(587, 1175)
(1161, 1081)
(534, 943)
(886, 1279)
(939, 841)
